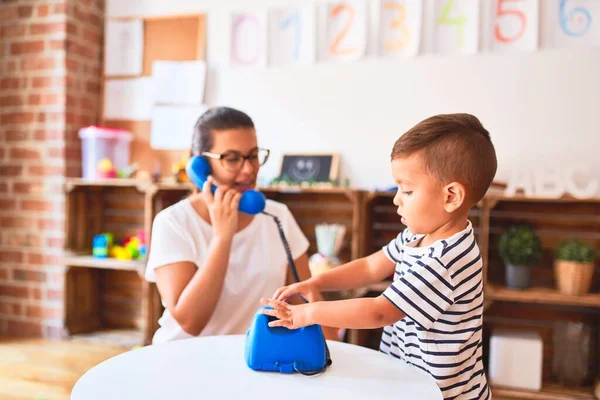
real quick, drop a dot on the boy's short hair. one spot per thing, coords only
(454, 148)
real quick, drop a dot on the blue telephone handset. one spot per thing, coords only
(198, 169)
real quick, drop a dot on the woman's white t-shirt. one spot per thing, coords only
(257, 263)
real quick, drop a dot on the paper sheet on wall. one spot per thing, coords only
(515, 25)
(456, 26)
(400, 27)
(572, 23)
(179, 82)
(346, 30)
(129, 99)
(173, 126)
(249, 39)
(123, 48)
(292, 36)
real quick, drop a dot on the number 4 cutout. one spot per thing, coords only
(456, 26)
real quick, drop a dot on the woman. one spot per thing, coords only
(212, 263)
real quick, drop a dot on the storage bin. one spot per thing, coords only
(101, 142)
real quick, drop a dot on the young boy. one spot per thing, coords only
(432, 312)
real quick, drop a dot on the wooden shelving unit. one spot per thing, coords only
(549, 392)
(541, 295)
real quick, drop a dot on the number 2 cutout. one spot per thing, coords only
(398, 23)
(459, 21)
(336, 11)
(502, 12)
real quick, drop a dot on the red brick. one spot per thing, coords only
(24, 240)
(37, 205)
(52, 294)
(57, 44)
(51, 117)
(36, 293)
(15, 12)
(43, 10)
(55, 152)
(48, 135)
(3, 274)
(10, 170)
(19, 48)
(59, 8)
(28, 275)
(13, 83)
(25, 11)
(72, 29)
(72, 65)
(45, 170)
(29, 187)
(73, 152)
(8, 204)
(91, 36)
(43, 312)
(52, 99)
(40, 82)
(89, 104)
(56, 243)
(34, 99)
(38, 63)
(24, 328)
(15, 136)
(18, 222)
(2, 152)
(11, 101)
(10, 67)
(13, 291)
(43, 259)
(92, 87)
(19, 153)
(18, 118)
(50, 224)
(51, 27)
(11, 256)
(4, 188)
(12, 31)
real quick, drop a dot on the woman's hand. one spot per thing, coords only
(288, 316)
(222, 208)
(307, 289)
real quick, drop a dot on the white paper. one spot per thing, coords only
(123, 48)
(178, 82)
(128, 99)
(572, 23)
(249, 39)
(173, 126)
(292, 36)
(346, 30)
(456, 26)
(515, 25)
(400, 27)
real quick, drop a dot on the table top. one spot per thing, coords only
(207, 367)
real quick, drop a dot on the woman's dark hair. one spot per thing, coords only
(217, 119)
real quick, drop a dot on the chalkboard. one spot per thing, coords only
(309, 167)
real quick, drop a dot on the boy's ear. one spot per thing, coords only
(454, 196)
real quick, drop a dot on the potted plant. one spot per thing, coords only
(520, 248)
(574, 267)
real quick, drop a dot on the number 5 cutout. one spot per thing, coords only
(515, 25)
(249, 39)
(400, 27)
(346, 27)
(456, 26)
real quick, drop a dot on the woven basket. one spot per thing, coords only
(573, 278)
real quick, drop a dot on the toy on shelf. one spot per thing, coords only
(132, 248)
(330, 238)
(178, 170)
(107, 170)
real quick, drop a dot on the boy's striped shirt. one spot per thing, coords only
(440, 289)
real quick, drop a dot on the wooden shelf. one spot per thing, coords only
(74, 260)
(540, 295)
(533, 199)
(140, 185)
(550, 391)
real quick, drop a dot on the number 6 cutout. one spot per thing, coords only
(346, 27)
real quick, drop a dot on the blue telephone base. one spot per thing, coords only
(284, 350)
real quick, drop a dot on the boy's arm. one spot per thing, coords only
(355, 274)
(364, 313)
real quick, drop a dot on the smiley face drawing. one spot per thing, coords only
(304, 169)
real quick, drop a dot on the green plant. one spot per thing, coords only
(520, 245)
(574, 250)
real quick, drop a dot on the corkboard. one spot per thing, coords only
(173, 38)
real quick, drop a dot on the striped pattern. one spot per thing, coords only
(440, 290)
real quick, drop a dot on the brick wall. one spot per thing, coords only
(49, 87)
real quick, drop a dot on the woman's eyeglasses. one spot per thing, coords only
(233, 161)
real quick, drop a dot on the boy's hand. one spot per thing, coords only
(291, 317)
(307, 289)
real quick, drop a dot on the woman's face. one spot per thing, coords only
(232, 169)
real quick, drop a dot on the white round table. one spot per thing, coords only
(214, 367)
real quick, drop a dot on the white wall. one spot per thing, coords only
(541, 108)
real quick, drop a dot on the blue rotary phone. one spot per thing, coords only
(278, 349)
